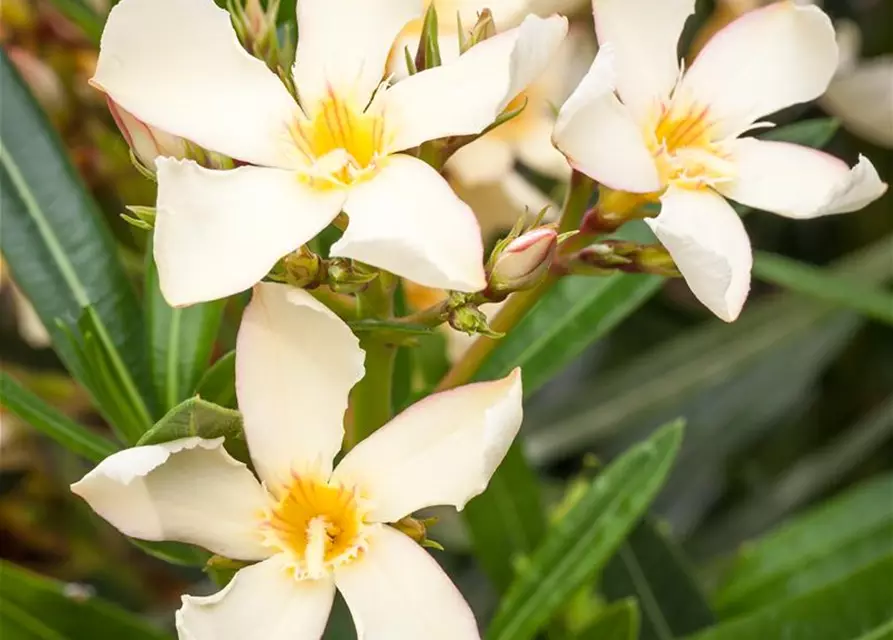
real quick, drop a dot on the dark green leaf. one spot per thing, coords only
(825, 286)
(218, 385)
(60, 252)
(815, 133)
(580, 543)
(618, 621)
(652, 568)
(856, 608)
(195, 417)
(180, 339)
(177, 553)
(51, 422)
(696, 360)
(574, 314)
(824, 545)
(51, 610)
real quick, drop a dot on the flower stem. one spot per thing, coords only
(517, 306)
(370, 400)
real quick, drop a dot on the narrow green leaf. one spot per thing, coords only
(652, 568)
(59, 250)
(372, 324)
(617, 621)
(218, 385)
(180, 339)
(178, 553)
(49, 610)
(580, 544)
(815, 133)
(825, 544)
(822, 285)
(694, 361)
(856, 608)
(51, 422)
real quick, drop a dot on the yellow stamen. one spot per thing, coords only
(317, 524)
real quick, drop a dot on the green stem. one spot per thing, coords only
(370, 399)
(517, 306)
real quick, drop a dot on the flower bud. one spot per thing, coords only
(524, 261)
(146, 143)
(467, 318)
(347, 276)
(302, 268)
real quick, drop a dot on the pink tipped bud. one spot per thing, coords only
(147, 143)
(524, 261)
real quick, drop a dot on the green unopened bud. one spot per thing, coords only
(523, 262)
(302, 268)
(345, 276)
(654, 258)
(483, 29)
(471, 320)
(624, 256)
(418, 530)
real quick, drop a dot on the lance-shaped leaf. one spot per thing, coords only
(579, 545)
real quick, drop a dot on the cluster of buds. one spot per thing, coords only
(307, 270)
(256, 29)
(630, 257)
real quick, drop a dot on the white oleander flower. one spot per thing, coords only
(310, 528)
(177, 66)
(637, 124)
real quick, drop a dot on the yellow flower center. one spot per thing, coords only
(682, 140)
(340, 143)
(317, 525)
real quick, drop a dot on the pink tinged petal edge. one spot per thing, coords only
(173, 63)
(441, 451)
(645, 37)
(709, 244)
(599, 135)
(296, 363)
(798, 182)
(219, 232)
(261, 601)
(188, 490)
(764, 61)
(396, 591)
(488, 76)
(407, 220)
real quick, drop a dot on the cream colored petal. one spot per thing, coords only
(262, 601)
(535, 149)
(396, 591)
(440, 451)
(424, 107)
(487, 159)
(862, 99)
(408, 221)
(219, 232)
(599, 135)
(710, 246)
(798, 182)
(644, 35)
(764, 61)
(188, 490)
(296, 362)
(177, 65)
(344, 44)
